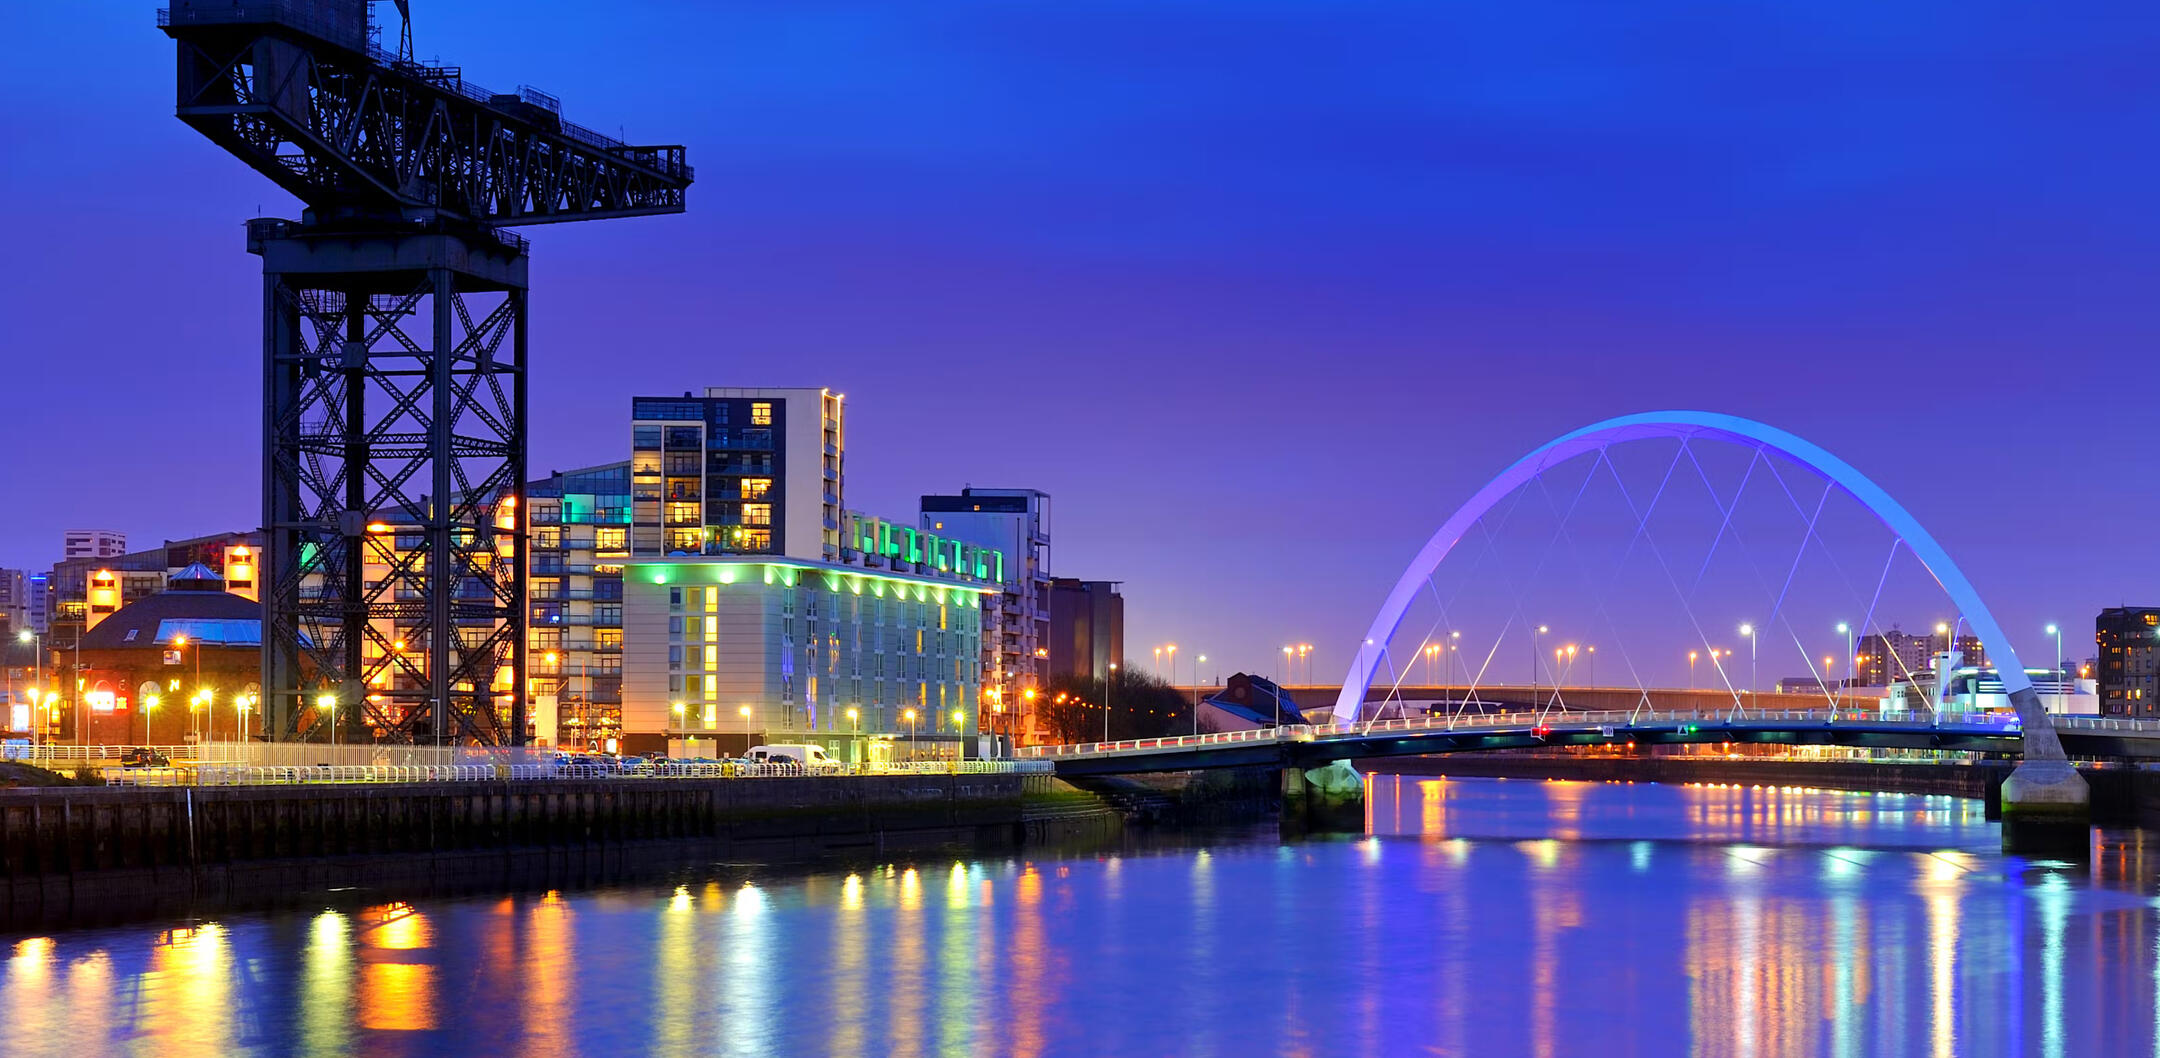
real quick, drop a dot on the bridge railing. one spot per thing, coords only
(1573, 721)
(228, 774)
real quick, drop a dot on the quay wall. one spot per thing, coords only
(67, 850)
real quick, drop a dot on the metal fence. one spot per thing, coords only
(226, 773)
(1548, 721)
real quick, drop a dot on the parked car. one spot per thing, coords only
(144, 757)
(807, 756)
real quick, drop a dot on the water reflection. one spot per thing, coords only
(1803, 923)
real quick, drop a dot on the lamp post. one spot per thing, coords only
(240, 711)
(2060, 704)
(913, 730)
(149, 705)
(1196, 692)
(328, 704)
(1852, 670)
(854, 716)
(37, 678)
(1942, 662)
(1748, 630)
(1106, 702)
(1691, 670)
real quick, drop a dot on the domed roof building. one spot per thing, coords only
(175, 666)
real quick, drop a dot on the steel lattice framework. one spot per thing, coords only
(290, 89)
(395, 373)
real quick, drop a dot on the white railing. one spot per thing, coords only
(1576, 722)
(60, 752)
(230, 774)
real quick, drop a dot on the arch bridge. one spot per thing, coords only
(2044, 797)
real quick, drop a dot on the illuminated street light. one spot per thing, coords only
(1748, 630)
(2060, 703)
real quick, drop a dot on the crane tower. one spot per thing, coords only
(394, 353)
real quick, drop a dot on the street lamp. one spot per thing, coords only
(150, 704)
(1113, 675)
(328, 703)
(37, 676)
(1852, 670)
(1748, 630)
(1942, 663)
(2057, 633)
(1691, 671)
(1196, 693)
(913, 730)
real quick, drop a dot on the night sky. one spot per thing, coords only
(1259, 291)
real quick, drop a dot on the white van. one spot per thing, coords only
(809, 757)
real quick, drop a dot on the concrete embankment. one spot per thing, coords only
(65, 851)
(2120, 795)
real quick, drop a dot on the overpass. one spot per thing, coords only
(1310, 746)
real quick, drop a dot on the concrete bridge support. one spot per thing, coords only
(1330, 797)
(2046, 805)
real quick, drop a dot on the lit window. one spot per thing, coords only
(761, 414)
(756, 488)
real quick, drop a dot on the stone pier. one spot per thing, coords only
(2046, 805)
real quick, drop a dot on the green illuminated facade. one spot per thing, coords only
(723, 653)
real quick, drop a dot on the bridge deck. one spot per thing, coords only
(1308, 745)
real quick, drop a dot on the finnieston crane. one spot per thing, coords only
(394, 352)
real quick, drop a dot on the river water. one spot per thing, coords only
(1477, 917)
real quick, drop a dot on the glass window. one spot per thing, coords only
(760, 414)
(756, 488)
(644, 437)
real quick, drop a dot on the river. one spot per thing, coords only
(1477, 917)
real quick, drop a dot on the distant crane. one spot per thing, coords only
(394, 352)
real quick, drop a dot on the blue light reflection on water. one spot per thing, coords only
(1480, 917)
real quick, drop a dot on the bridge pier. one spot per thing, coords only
(2046, 805)
(1330, 797)
(2046, 809)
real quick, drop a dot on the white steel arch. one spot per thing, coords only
(2039, 733)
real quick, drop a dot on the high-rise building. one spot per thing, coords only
(580, 524)
(2129, 672)
(737, 472)
(1087, 628)
(93, 543)
(1016, 623)
(14, 602)
(40, 603)
(1883, 659)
